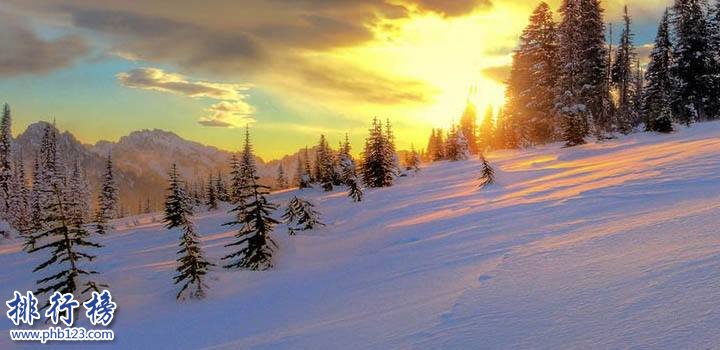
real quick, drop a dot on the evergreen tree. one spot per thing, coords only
(211, 197)
(255, 221)
(21, 216)
(302, 179)
(108, 198)
(412, 160)
(540, 38)
(571, 106)
(78, 195)
(713, 99)
(220, 188)
(348, 173)
(487, 177)
(236, 181)
(595, 90)
(325, 171)
(301, 215)
(622, 78)
(6, 171)
(36, 208)
(456, 147)
(192, 266)
(64, 239)
(377, 168)
(657, 108)
(468, 126)
(533, 77)
(693, 59)
(390, 152)
(486, 140)
(281, 180)
(436, 146)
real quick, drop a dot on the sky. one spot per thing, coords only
(291, 69)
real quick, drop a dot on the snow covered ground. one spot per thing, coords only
(610, 245)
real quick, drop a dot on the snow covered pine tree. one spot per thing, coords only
(107, 199)
(657, 108)
(378, 169)
(487, 177)
(192, 266)
(253, 215)
(301, 215)
(64, 238)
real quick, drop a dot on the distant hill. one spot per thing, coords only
(142, 160)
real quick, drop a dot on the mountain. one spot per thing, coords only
(142, 160)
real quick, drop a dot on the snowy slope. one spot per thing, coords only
(611, 245)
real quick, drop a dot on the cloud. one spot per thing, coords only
(231, 111)
(349, 83)
(24, 52)
(454, 7)
(158, 80)
(227, 114)
(186, 44)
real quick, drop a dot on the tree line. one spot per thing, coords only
(568, 83)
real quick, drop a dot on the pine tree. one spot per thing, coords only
(657, 108)
(530, 95)
(21, 216)
(390, 151)
(595, 90)
(486, 140)
(107, 198)
(301, 178)
(412, 160)
(571, 106)
(713, 99)
(456, 147)
(487, 177)
(436, 146)
(541, 45)
(220, 188)
(325, 171)
(192, 266)
(35, 203)
(78, 195)
(693, 59)
(300, 215)
(64, 239)
(622, 78)
(377, 168)
(281, 180)
(6, 171)
(211, 197)
(468, 126)
(255, 221)
(236, 181)
(348, 173)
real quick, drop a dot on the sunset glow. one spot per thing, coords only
(304, 70)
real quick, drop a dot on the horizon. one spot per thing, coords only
(414, 62)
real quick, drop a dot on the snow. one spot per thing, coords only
(606, 245)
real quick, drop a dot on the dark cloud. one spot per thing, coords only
(214, 123)
(24, 52)
(315, 32)
(497, 73)
(185, 44)
(453, 7)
